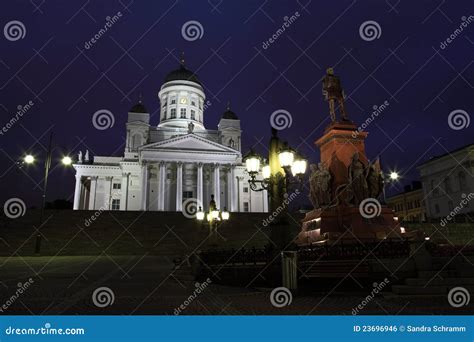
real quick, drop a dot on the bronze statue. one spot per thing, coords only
(332, 91)
(212, 204)
(357, 179)
(374, 179)
(320, 185)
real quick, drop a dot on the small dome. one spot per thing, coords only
(228, 114)
(182, 74)
(138, 108)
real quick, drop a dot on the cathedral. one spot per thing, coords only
(173, 163)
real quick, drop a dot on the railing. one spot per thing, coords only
(344, 251)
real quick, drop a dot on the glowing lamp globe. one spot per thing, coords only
(29, 159)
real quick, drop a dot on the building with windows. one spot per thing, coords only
(178, 159)
(409, 205)
(447, 182)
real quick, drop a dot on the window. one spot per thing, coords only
(447, 184)
(193, 114)
(117, 186)
(116, 204)
(173, 113)
(187, 194)
(436, 208)
(173, 101)
(434, 187)
(231, 143)
(462, 180)
(246, 207)
(193, 103)
(183, 113)
(246, 189)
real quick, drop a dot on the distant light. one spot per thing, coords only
(402, 230)
(67, 160)
(29, 159)
(427, 238)
(395, 218)
(200, 214)
(394, 175)
(225, 214)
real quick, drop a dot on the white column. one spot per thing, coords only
(199, 188)
(77, 192)
(179, 186)
(217, 186)
(265, 200)
(161, 186)
(124, 192)
(108, 196)
(144, 186)
(93, 193)
(229, 189)
(233, 198)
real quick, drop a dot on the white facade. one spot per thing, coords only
(447, 182)
(179, 159)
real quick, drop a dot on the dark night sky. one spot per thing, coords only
(68, 84)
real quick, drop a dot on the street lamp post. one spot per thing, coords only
(215, 217)
(30, 159)
(285, 168)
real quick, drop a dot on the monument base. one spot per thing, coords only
(346, 223)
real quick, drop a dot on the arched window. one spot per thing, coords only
(447, 184)
(231, 143)
(136, 141)
(173, 113)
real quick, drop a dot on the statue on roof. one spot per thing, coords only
(333, 92)
(190, 127)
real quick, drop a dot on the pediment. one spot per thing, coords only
(189, 143)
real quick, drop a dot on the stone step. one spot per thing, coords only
(439, 281)
(429, 290)
(442, 274)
